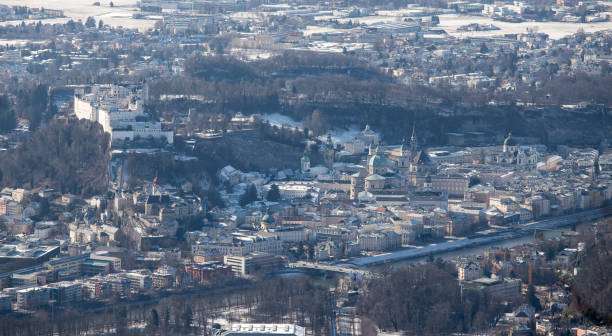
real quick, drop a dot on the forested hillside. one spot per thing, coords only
(348, 91)
(68, 155)
(426, 300)
(592, 288)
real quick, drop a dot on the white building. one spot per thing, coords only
(119, 109)
(292, 191)
(263, 329)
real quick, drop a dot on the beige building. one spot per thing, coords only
(469, 270)
(253, 263)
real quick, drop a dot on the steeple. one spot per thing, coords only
(404, 146)
(413, 140)
(329, 143)
(305, 161)
(305, 156)
(371, 149)
(155, 181)
(329, 152)
(508, 141)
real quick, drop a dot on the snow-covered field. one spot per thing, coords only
(338, 135)
(119, 15)
(450, 23)
(281, 120)
(555, 30)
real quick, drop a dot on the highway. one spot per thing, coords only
(510, 233)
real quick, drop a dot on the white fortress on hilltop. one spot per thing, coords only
(120, 111)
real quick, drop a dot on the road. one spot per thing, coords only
(330, 268)
(524, 229)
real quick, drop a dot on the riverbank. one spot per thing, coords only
(489, 240)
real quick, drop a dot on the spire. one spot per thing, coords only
(413, 140)
(305, 156)
(329, 143)
(155, 180)
(404, 146)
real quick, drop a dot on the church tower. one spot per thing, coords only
(329, 152)
(413, 141)
(305, 162)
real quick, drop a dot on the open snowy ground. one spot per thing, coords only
(555, 30)
(119, 15)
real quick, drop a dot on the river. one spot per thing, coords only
(476, 250)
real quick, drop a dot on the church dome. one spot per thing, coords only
(378, 161)
(374, 177)
(268, 218)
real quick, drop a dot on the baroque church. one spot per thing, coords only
(390, 172)
(514, 155)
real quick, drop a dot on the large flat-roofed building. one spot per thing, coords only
(27, 254)
(248, 329)
(505, 288)
(33, 297)
(67, 264)
(380, 241)
(66, 292)
(253, 263)
(452, 185)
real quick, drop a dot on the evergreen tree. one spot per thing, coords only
(274, 194)
(154, 318)
(214, 199)
(187, 318)
(310, 252)
(90, 23)
(532, 298)
(249, 196)
(32, 105)
(7, 115)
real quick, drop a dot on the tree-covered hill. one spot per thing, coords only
(67, 155)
